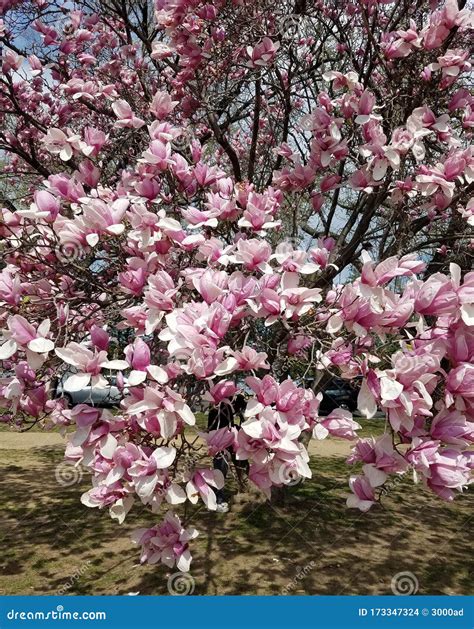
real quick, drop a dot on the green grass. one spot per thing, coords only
(50, 540)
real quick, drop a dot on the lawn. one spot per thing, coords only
(312, 545)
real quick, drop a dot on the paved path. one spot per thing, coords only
(330, 447)
(27, 440)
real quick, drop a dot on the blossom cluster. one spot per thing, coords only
(144, 255)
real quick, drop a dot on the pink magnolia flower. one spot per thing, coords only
(451, 64)
(88, 364)
(125, 116)
(460, 381)
(223, 391)
(162, 105)
(338, 423)
(422, 455)
(166, 406)
(167, 543)
(253, 254)
(379, 452)
(402, 42)
(10, 286)
(11, 61)
(58, 143)
(45, 206)
(293, 260)
(437, 296)
(200, 485)
(114, 496)
(246, 359)
(390, 268)
(363, 488)
(197, 218)
(297, 301)
(159, 297)
(146, 474)
(138, 357)
(263, 54)
(366, 106)
(219, 440)
(449, 472)
(329, 183)
(100, 338)
(94, 140)
(211, 285)
(298, 344)
(23, 335)
(158, 154)
(452, 427)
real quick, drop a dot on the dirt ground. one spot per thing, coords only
(50, 543)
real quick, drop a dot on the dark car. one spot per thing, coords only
(339, 393)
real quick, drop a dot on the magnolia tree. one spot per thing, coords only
(205, 197)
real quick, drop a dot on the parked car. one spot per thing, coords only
(110, 395)
(339, 393)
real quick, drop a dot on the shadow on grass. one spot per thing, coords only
(312, 544)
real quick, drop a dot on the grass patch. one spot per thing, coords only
(52, 543)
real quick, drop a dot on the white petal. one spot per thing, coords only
(164, 457)
(7, 349)
(119, 510)
(92, 239)
(467, 314)
(334, 324)
(353, 502)
(375, 476)
(77, 382)
(41, 345)
(227, 366)
(114, 475)
(253, 428)
(186, 415)
(319, 432)
(135, 378)
(67, 355)
(115, 364)
(158, 374)
(184, 561)
(366, 401)
(175, 494)
(390, 389)
(108, 447)
(253, 408)
(115, 229)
